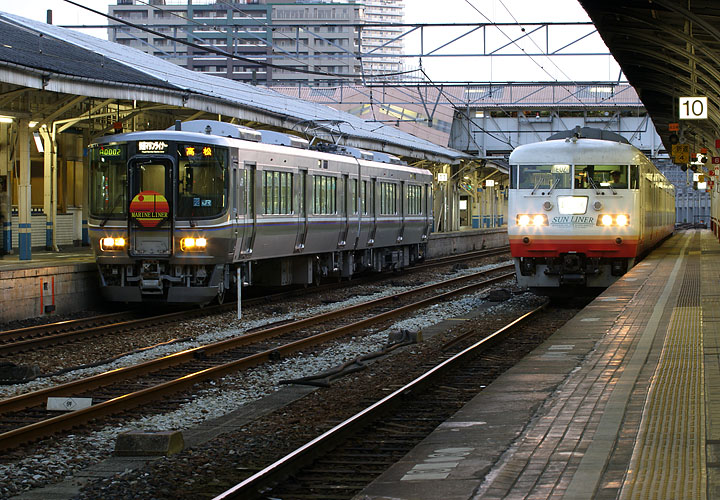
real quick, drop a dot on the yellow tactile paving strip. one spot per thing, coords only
(669, 456)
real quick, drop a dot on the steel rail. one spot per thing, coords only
(70, 331)
(37, 430)
(253, 486)
(35, 398)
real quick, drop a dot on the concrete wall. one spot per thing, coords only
(32, 292)
(443, 244)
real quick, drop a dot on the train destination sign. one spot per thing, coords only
(112, 152)
(152, 146)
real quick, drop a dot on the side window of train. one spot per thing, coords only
(352, 196)
(324, 194)
(414, 197)
(366, 198)
(277, 192)
(303, 192)
(634, 177)
(388, 198)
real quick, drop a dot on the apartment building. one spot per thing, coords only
(211, 27)
(270, 39)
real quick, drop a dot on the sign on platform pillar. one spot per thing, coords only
(24, 192)
(5, 199)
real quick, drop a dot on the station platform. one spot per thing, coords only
(621, 402)
(49, 283)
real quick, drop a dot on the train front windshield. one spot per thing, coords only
(561, 176)
(119, 173)
(202, 182)
(108, 181)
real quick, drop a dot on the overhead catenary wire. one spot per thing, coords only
(514, 42)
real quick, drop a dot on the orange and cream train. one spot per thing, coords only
(583, 210)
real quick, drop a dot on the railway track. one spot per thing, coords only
(52, 334)
(341, 461)
(153, 380)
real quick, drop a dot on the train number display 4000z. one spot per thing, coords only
(583, 210)
(177, 215)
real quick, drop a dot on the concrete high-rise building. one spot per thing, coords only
(322, 37)
(241, 28)
(317, 36)
(383, 43)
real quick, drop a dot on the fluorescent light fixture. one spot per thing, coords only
(38, 142)
(32, 124)
(6, 119)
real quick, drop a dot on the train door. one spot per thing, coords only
(239, 207)
(151, 222)
(402, 210)
(345, 210)
(644, 196)
(303, 200)
(427, 209)
(372, 185)
(249, 224)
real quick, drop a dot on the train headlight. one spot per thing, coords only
(190, 244)
(614, 220)
(109, 243)
(531, 220)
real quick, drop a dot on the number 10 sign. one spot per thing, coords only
(693, 108)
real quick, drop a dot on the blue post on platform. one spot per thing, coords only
(25, 241)
(48, 234)
(85, 233)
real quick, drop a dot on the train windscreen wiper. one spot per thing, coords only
(107, 217)
(555, 183)
(594, 185)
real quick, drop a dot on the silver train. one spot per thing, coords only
(180, 215)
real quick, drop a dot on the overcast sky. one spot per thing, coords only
(451, 67)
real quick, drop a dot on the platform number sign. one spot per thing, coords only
(693, 108)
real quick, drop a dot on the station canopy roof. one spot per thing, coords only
(41, 56)
(667, 49)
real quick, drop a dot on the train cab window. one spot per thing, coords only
(202, 181)
(544, 177)
(634, 177)
(601, 176)
(108, 181)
